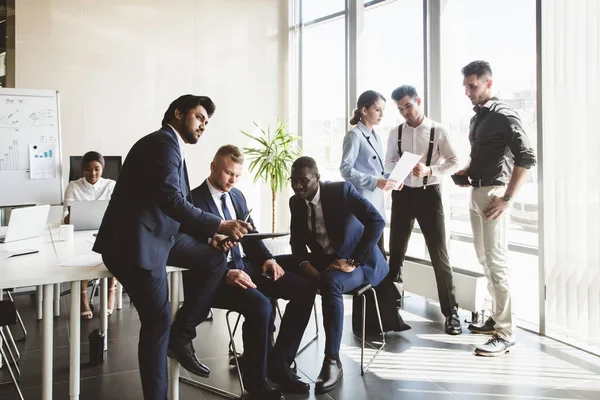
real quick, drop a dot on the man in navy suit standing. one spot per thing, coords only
(261, 277)
(151, 222)
(341, 228)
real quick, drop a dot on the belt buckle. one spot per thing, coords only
(478, 184)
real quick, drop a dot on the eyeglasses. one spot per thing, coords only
(302, 181)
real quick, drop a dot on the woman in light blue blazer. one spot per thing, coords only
(363, 158)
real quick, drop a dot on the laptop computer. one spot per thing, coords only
(87, 215)
(25, 223)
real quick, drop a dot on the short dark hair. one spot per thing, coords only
(91, 156)
(185, 103)
(231, 151)
(306, 162)
(478, 67)
(405, 90)
(366, 99)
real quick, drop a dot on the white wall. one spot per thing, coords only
(119, 63)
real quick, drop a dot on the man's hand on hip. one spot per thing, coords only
(495, 209)
(234, 229)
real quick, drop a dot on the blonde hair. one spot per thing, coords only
(231, 151)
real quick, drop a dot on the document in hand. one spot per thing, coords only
(404, 166)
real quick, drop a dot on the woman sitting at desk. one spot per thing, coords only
(91, 187)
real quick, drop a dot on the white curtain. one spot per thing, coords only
(571, 169)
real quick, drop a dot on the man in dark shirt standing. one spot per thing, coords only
(501, 155)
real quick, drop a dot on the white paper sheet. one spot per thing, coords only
(404, 166)
(85, 261)
(42, 161)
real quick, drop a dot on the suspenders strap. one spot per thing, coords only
(400, 139)
(429, 152)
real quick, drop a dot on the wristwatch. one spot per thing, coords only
(506, 198)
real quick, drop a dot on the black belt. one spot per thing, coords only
(486, 182)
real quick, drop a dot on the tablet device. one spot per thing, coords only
(254, 236)
(461, 179)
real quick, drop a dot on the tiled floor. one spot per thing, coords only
(422, 363)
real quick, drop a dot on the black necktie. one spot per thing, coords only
(313, 225)
(236, 255)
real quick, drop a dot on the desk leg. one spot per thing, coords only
(173, 364)
(47, 350)
(57, 299)
(75, 339)
(104, 309)
(119, 295)
(40, 297)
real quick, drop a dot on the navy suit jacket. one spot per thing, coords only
(151, 202)
(353, 225)
(255, 250)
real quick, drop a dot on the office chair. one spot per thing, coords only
(361, 291)
(8, 316)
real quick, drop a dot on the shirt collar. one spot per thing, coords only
(425, 124)
(488, 104)
(216, 193)
(180, 141)
(88, 185)
(315, 200)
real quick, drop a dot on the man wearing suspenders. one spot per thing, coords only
(419, 196)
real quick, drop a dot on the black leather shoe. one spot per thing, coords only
(452, 325)
(286, 378)
(265, 391)
(330, 375)
(186, 356)
(485, 329)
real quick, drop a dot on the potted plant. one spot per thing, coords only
(272, 159)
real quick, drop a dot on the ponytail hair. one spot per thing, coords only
(366, 100)
(355, 117)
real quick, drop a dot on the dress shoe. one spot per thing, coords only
(452, 325)
(330, 375)
(486, 329)
(264, 391)
(285, 376)
(494, 347)
(186, 356)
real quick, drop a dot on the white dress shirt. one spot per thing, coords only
(416, 140)
(82, 190)
(216, 194)
(180, 141)
(322, 236)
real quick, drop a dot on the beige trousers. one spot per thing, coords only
(491, 247)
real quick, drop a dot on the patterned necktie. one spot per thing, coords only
(236, 255)
(313, 226)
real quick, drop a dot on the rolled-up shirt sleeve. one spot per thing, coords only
(447, 153)
(519, 143)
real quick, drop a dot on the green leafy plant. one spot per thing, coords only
(272, 159)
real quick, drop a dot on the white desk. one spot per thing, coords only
(42, 269)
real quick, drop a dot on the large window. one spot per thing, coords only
(390, 55)
(502, 33)
(323, 94)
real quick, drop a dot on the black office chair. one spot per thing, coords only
(8, 316)
(112, 167)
